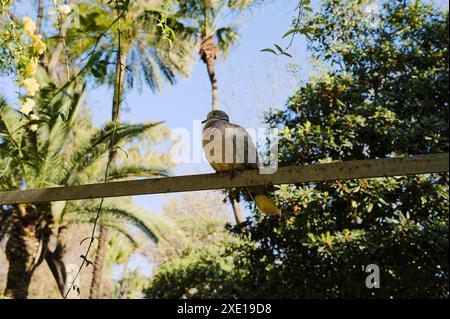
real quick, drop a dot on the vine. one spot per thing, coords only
(303, 6)
(167, 33)
(62, 12)
(120, 7)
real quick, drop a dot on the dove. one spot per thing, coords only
(229, 147)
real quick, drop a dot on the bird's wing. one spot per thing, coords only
(246, 154)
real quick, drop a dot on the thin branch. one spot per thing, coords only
(108, 164)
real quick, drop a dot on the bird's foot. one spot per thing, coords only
(233, 173)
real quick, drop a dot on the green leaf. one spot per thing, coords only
(278, 48)
(290, 32)
(268, 50)
(340, 103)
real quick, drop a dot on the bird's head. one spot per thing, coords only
(217, 115)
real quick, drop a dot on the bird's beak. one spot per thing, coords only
(204, 121)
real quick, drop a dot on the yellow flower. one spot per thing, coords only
(34, 127)
(38, 45)
(32, 66)
(36, 37)
(29, 26)
(31, 86)
(27, 106)
(65, 9)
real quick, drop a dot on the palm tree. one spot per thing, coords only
(136, 44)
(50, 156)
(143, 57)
(209, 24)
(40, 15)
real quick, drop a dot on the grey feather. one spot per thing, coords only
(237, 151)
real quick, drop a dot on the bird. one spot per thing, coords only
(235, 152)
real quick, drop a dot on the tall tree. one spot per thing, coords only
(40, 15)
(35, 153)
(134, 48)
(384, 93)
(97, 47)
(209, 23)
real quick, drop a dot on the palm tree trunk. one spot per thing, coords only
(119, 82)
(213, 79)
(208, 53)
(40, 14)
(54, 60)
(55, 260)
(97, 275)
(22, 252)
(19, 251)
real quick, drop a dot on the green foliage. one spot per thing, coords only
(385, 93)
(117, 214)
(298, 27)
(202, 273)
(167, 33)
(150, 53)
(130, 286)
(193, 258)
(190, 222)
(5, 5)
(67, 149)
(205, 18)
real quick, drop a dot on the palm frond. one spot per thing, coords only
(135, 171)
(243, 4)
(97, 144)
(124, 232)
(150, 68)
(12, 127)
(12, 132)
(114, 211)
(226, 38)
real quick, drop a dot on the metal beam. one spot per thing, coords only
(410, 165)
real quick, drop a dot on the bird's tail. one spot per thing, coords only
(264, 203)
